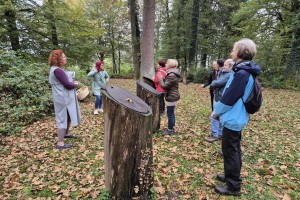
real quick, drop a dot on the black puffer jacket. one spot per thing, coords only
(170, 84)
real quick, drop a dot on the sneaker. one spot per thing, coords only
(211, 139)
(96, 112)
(168, 132)
(100, 110)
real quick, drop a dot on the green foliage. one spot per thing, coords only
(21, 101)
(125, 72)
(104, 195)
(153, 194)
(200, 75)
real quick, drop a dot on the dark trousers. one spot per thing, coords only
(231, 147)
(171, 117)
(211, 92)
(162, 103)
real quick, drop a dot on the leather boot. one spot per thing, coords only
(224, 190)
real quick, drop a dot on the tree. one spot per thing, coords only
(292, 72)
(147, 47)
(135, 36)
(194, 31)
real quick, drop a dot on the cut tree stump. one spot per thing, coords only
(149, 81)
(127, 144)
(151, 97)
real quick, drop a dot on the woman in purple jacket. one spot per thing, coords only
(66, 105)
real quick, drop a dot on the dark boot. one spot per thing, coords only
(211, 139)
(224, 190)
(221, 177)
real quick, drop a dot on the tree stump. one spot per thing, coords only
(151, 97)
(127, 144)
(149, 81)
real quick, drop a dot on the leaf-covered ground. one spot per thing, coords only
(185, 165)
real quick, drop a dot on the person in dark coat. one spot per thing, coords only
(171, 86)
(231, 112)
(212, 76)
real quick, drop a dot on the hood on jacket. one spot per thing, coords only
(174, 70)
(248, 66)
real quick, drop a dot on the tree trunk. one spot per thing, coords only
(135, 37)
(151, 97)
(147, 48)
(194, 33)
(127, 144)
(52, 24)
(203, 60)
(13, 30)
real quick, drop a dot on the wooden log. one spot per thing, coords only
(127, 144)
(151, 97)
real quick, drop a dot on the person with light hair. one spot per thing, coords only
(231, 112)
(171, 86)
(218, 87)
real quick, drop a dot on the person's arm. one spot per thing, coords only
(220, 82)
(209, 80)
(168, 82)
(233, 93)
(62, 77)
(92, 73)
(106, 76)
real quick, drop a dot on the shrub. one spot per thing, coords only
(25, 96)
(199, 75)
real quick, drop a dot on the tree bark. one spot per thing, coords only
(135, 37)
(52, 24)
(151, 97)
(147, 47)
(194, 32)
(13, 32)
(127, 145)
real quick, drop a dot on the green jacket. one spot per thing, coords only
(100, 79)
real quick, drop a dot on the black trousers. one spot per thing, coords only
(231, 147)
(162, 105)
(211, 92)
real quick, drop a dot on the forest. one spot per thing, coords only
(194, 32)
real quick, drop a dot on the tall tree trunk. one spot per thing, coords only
(179, 25)
(147, 47)
(119, 62)
(293, 61)
(194, 33)
(13, 32)
(203, 60)
(52, 24)
(135, 37)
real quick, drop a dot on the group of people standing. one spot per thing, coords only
(231, 81)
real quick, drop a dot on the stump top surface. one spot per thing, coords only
(147, 87)
(127, 99)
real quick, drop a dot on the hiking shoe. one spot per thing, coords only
(168, 132)
(221, 177)
(66, 146)
(224, 190)
(211, 139)
(100, 110)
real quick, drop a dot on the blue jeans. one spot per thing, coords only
(171, 117)
(216, 129)
(98, 102)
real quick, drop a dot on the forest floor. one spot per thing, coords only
(185, 165)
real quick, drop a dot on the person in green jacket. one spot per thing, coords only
(100, 79)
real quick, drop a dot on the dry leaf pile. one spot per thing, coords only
(185, 165)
